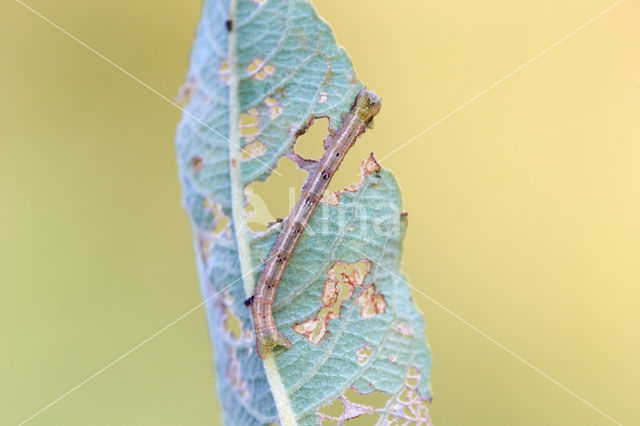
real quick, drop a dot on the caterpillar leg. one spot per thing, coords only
(271, 340)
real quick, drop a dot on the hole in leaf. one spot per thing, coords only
(311, 143)
(376, 399)
(274, 107)
(364, 420)
(371, 302)
(253, 150)
(249, 125)
(368, 166)
(334, 409)
(275, 197)
(364, 352)
(224, 72)
(233, 324)
(220, 220)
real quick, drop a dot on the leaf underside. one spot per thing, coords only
(343, 301)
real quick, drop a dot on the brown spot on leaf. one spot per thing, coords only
(370, 302)
(313, 329)
(196, 164)
(370, 165)
(404, 218)
(331, 198)
(342, 279)
(404, 329)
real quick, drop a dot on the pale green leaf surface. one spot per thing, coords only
(289, 71)
(366, 224)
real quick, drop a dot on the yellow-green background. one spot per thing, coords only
(524, 207)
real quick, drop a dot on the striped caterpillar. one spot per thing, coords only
(365, 107)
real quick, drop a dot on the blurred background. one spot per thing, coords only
(524, 206)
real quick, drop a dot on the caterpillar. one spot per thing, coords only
(366, 106)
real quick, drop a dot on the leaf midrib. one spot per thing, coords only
(285, 411)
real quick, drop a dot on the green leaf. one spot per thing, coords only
(343, 301)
